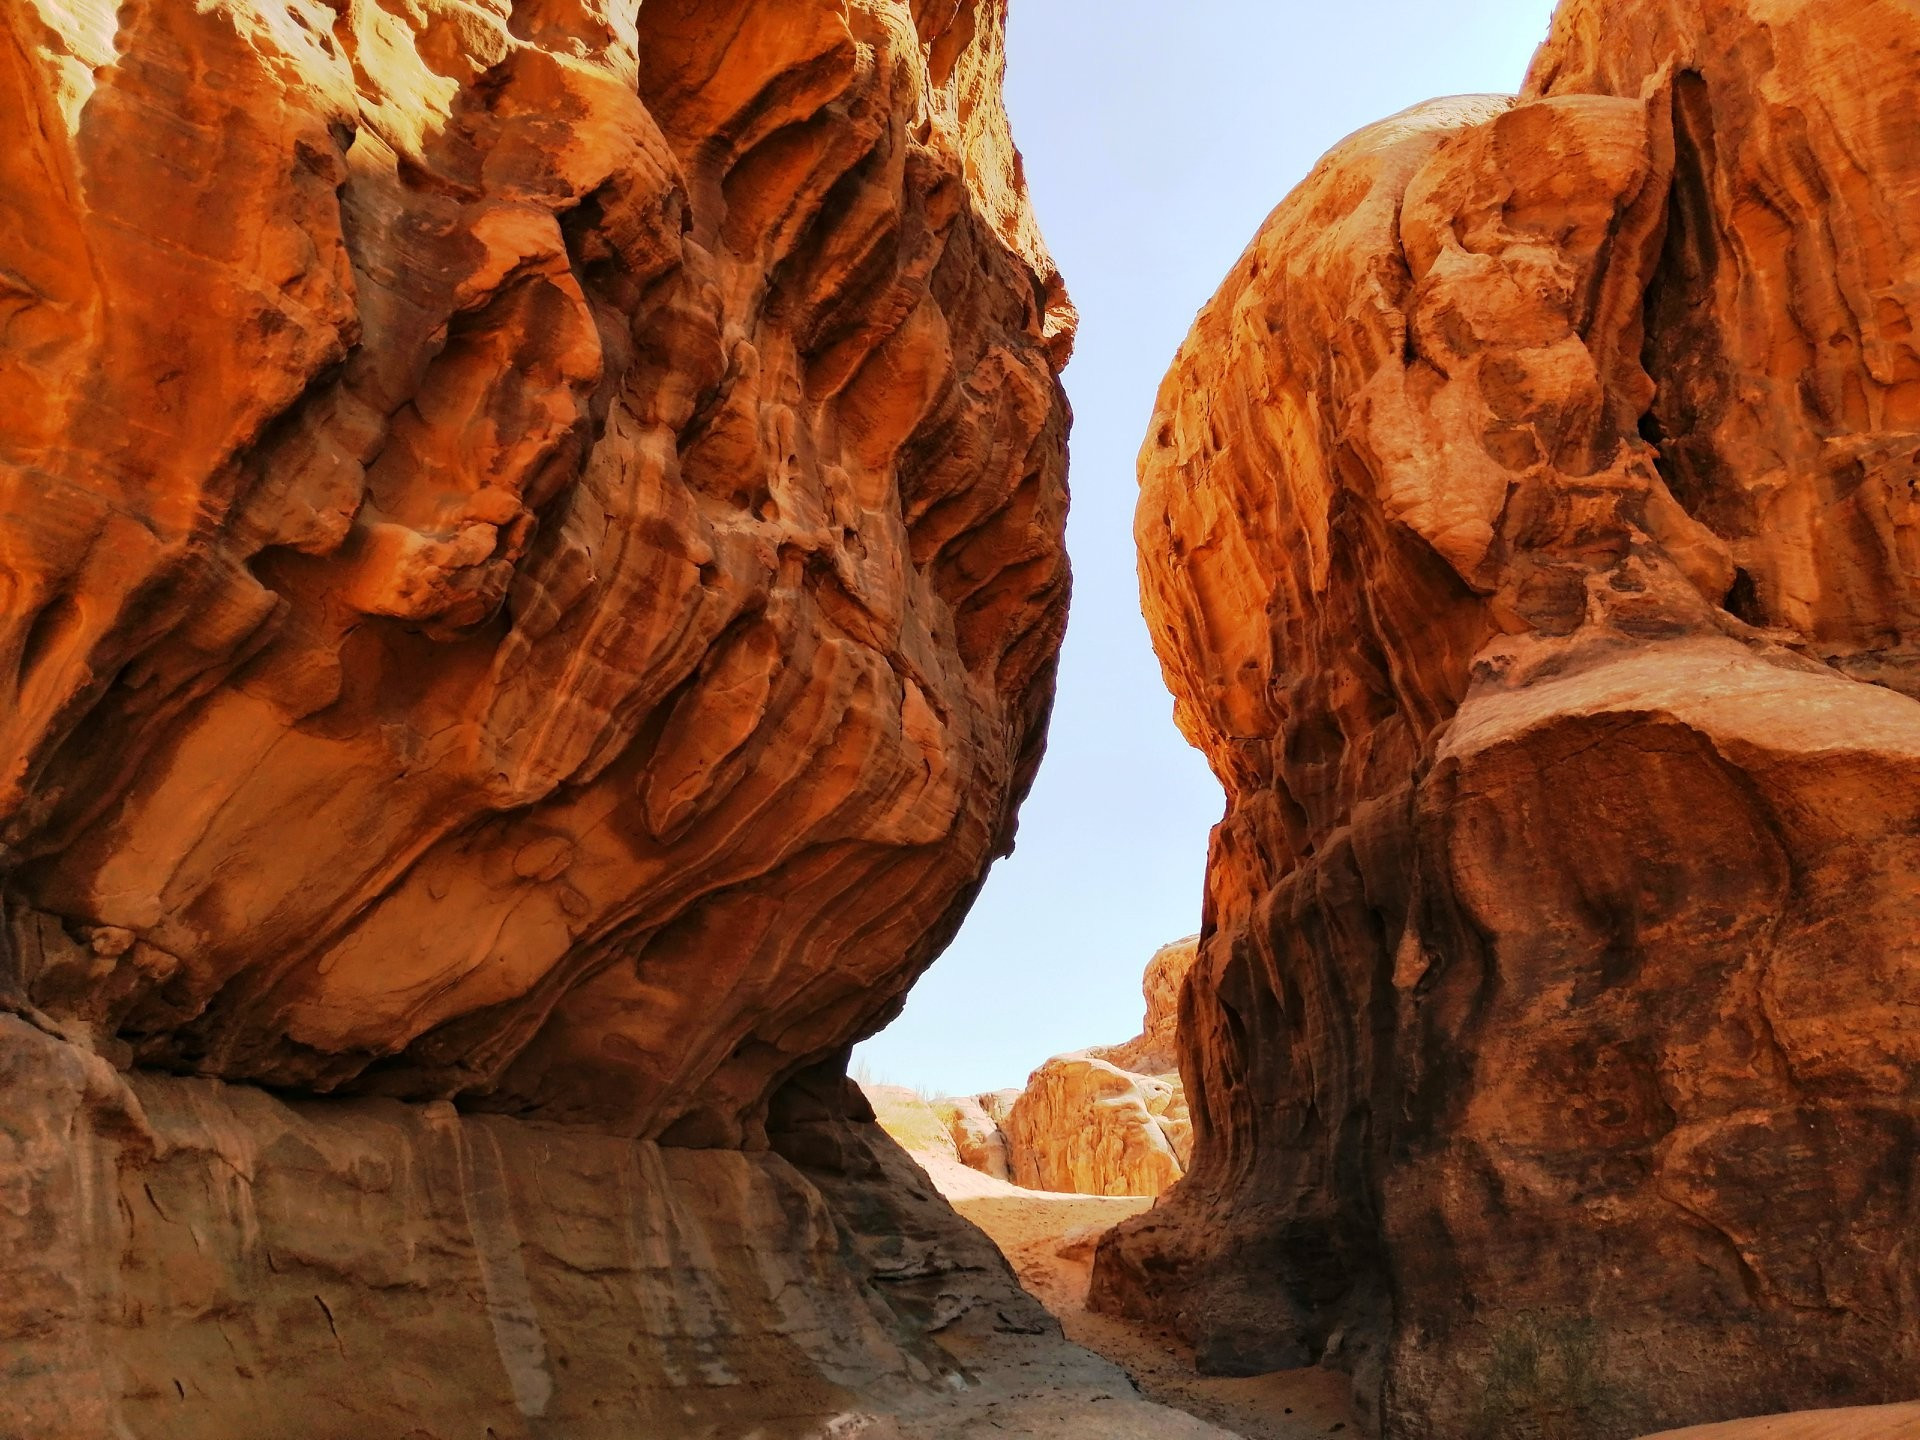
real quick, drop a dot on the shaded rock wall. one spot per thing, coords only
(534, 535)
(1519, 528)
(203, 1260)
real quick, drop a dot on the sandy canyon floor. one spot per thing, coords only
(1048, 1239)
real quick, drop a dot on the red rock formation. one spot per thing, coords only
(1086, 1126)
(534, 554)
(530, 572)
(1519, 525)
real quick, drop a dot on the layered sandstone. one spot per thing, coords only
(195, 1260)
(534, 535)
(530, 580)
(1528, 532)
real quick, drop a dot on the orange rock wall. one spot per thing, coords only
(530, 576)
(1526, 532)
(532, 536)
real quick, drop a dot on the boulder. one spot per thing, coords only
(1527, 534)
(976, 1136)
(1085, 1125)
(532, 579)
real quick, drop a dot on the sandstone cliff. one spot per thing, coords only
(1528, 532)
(531, 578)
(1112, 1119)
(534, 535)
(1086, 1126)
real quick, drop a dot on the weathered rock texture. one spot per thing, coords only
(973, 1125)
(204, 1261)
(1087, 1126)
(530, 573)
(1529, 534)
(533, 559)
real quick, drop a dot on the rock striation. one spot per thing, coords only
(530, 583)
(1527, 531)
(534, 536)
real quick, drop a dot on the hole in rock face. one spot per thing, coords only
(1743, 600)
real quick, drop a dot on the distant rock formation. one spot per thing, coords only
(974, 1126)
(1155, 1051)
(531, 572)
(1110, 1120)
(1529, 533)
(1087, 1126)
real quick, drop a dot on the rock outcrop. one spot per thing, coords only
(534, 535)
(1087, 1126)
(531, 578)
(1109, 1120)
(974, 1124)
(1528, 533)
(1155, 1050)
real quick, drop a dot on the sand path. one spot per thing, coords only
(1886, 1422)
(1032, 1228)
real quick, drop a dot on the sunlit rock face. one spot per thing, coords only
(1087, 1126)
(1107, 1120)
(530, 575)
(532, 535)
(1528, 534)
(1111, 1119)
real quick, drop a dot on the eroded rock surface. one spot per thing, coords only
(530, 574)
(1527, 531)
(1087, 1126)
(533, 535)
(204, 1261)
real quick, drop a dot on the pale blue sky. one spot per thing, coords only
(1157, 135)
